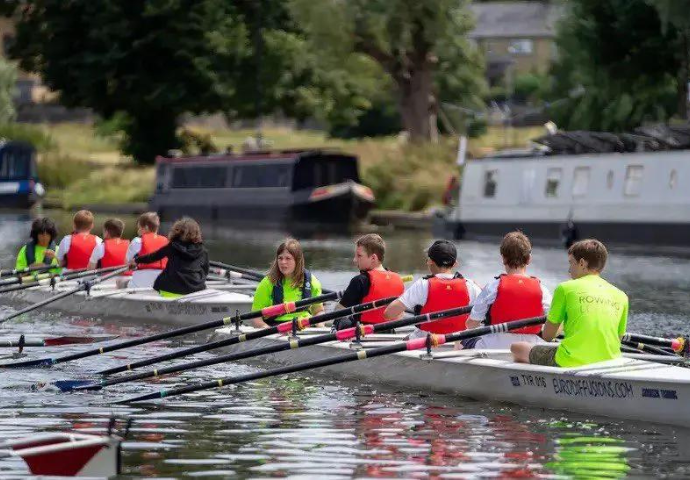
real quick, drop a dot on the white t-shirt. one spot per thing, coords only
(66, 242)
(133, 249)
(488, 296)
(418, 292)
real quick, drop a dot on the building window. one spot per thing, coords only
(672, 179)
(580, 181)
(633, 180)
(521, 46)
(490, 182)
(553, 180)
(609, 180)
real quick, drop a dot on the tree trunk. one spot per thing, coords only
(417, 103)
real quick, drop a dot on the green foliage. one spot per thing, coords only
(8, 80)
(627, 63)
(420, 47)
(148, 60)
(58, 171)
(381, 119)
(27, 133)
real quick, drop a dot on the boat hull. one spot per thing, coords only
(135, 304)
(624, 388)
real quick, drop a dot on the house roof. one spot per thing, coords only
(515, 19)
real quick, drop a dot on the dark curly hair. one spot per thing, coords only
(43, 225)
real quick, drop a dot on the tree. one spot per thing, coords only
(8, 82)
(627, 64)
(420, 46)
(149, 60)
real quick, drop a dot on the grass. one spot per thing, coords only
(79, 167)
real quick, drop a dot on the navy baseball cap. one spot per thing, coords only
(443, 253)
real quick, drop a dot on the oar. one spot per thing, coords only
(21, 271)
(267, 312)
(55, 278)
(284, 327)
(648, 348)
(250, 274)
(55, 341)
(345, 334)
(83, 286)
(416, 344)
(678, 345)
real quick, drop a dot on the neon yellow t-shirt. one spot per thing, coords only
(39, 253)
(594, 314)
(263, 296)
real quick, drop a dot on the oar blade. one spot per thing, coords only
(40, 362)
(70, 385)
(140, 398)
(71, 340)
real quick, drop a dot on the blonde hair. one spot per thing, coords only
(293, 247)
(186, 229)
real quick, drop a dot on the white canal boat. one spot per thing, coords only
(106, 300)
(628, 388)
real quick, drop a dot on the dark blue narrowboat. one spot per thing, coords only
(19, 185)
(273, 187)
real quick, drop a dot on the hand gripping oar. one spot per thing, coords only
(285, 327)
(679, 345)
(345, 334)
(22, 271)
(431, 340)
(83, 286)
(266, 313)
(55, 278)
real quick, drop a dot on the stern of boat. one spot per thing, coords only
(344, 203)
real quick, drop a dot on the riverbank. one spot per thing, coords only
(80, 167)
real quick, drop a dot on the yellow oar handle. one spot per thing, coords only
(407, 278)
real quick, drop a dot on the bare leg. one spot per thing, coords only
(521, 351)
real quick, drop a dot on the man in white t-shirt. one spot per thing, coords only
(442, 290)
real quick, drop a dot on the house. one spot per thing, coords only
(515, 37)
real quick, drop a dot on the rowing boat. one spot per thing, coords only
(220, 300)
(630, 388)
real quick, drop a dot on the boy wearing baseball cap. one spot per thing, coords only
(442, 290)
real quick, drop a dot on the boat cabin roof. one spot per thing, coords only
(263, 156)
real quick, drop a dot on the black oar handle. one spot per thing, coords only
(284, 327)
(345, 358)
(162, 336)
(677, 344)
(291, 344)
(21, 271)
(57, 277)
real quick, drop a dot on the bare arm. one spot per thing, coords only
(394, 310)
(550, 331)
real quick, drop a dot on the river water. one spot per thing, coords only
(315, 427)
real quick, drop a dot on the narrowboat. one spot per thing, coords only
(274, 187)
(625, 189)
(19, 185)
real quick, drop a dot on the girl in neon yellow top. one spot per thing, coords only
(287, 281)
(41, 249)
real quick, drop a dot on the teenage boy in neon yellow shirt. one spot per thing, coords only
(594, 315)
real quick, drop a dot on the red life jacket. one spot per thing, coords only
(445, 293)
(80, 250)
(518, 297)
(382, 284)
(150, 242)
(114, 253)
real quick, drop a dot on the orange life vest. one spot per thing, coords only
(445, 293)
(382, 284)
(114, 252)
(518, 297)
(80, 250)
(150, 242)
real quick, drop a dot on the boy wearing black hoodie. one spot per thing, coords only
(187, 265)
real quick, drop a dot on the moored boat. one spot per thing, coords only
(274, 187)
(629, 388)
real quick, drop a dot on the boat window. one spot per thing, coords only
(15, 164)
(672, 179)
(609, 180)
(261, 176)
(553, 180)
(580, 181)
(199, 176)
(490, 183)
(633, 180)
